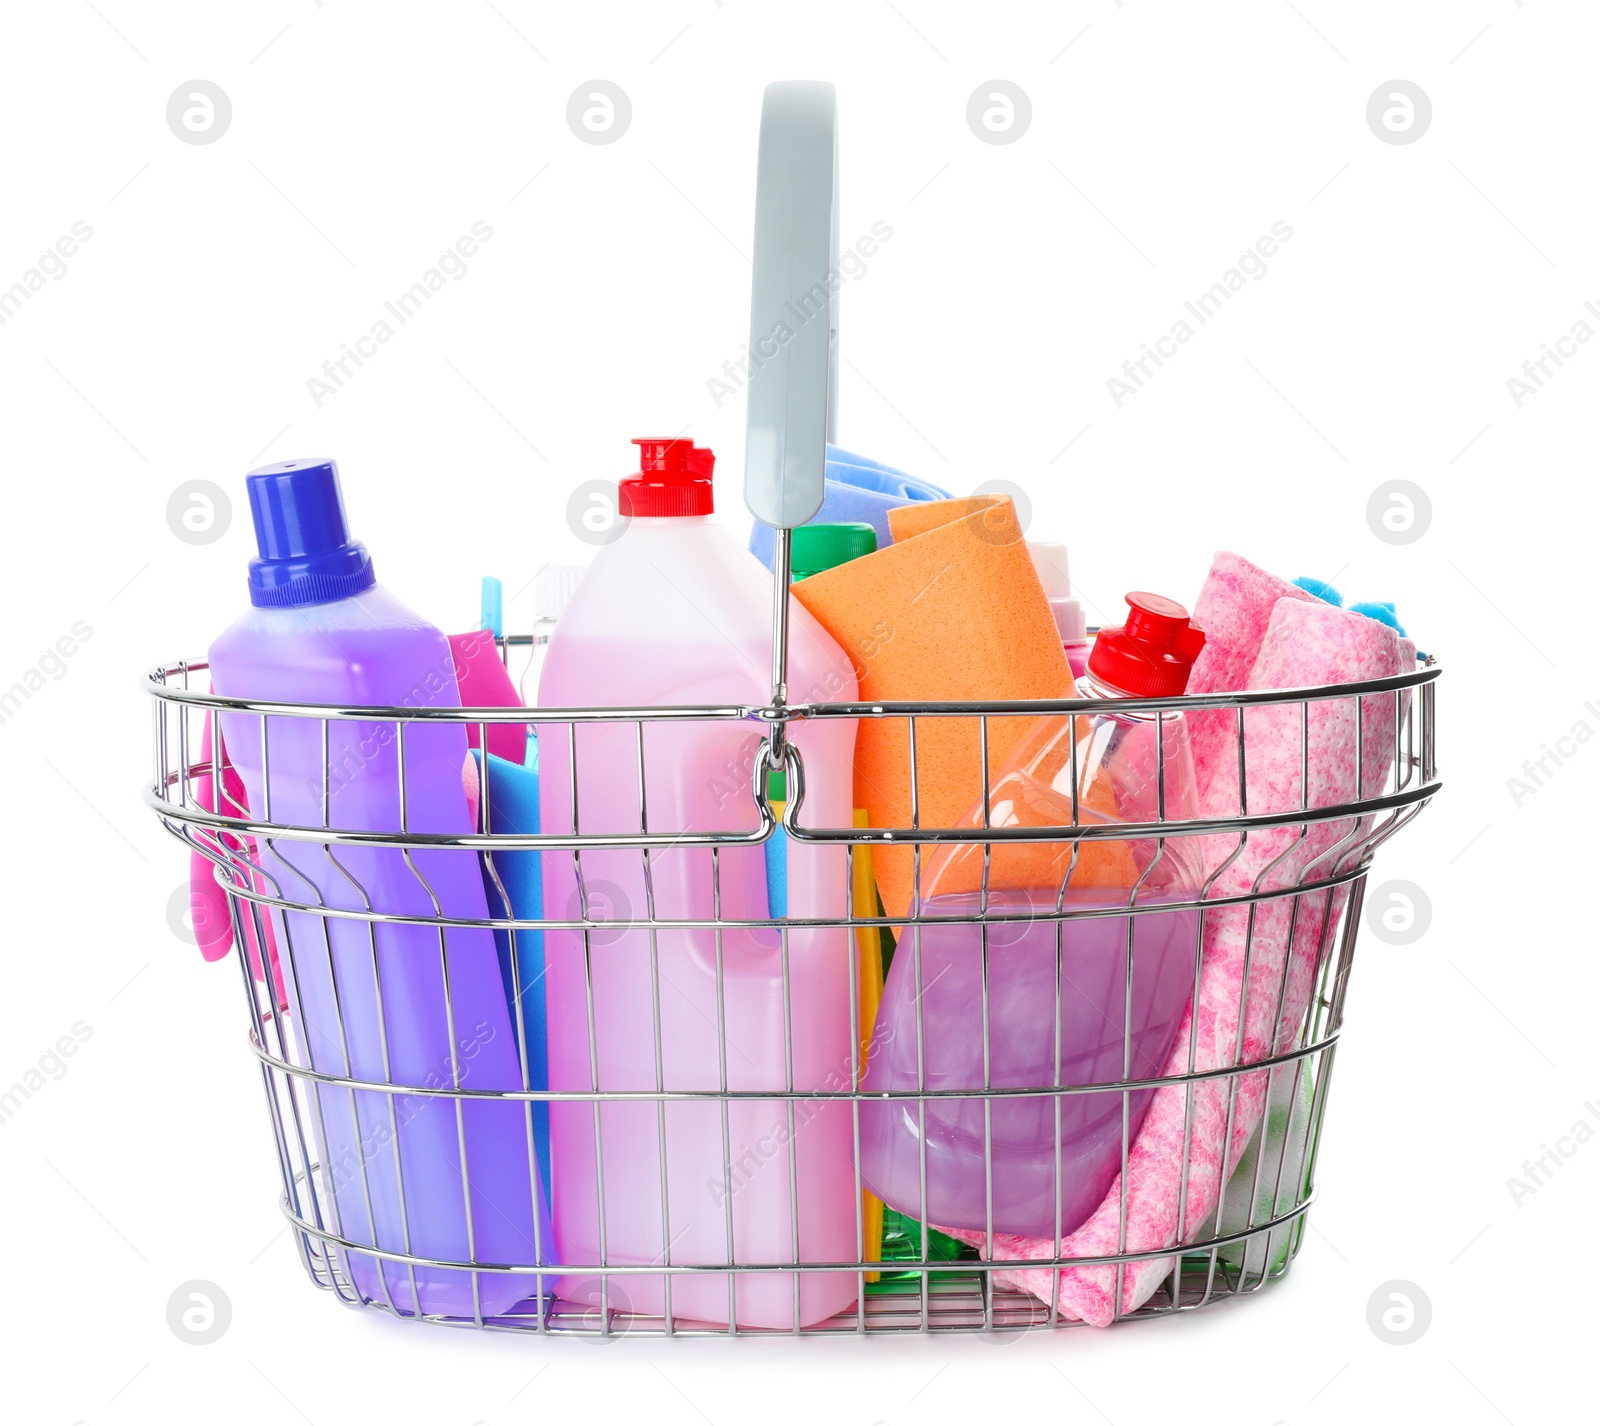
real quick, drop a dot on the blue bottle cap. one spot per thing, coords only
(1321, 588)
(1383, 613)
(306, 553)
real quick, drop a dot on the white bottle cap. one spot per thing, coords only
(553, 587)
(1050, 560)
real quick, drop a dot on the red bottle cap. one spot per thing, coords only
(674, 478)
(1152, 654)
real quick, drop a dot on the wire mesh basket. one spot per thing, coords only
(660, 1103)
(1298, 906)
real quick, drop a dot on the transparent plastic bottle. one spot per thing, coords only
(674, 612)
(1083, 999)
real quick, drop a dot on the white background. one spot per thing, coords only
(1165, 139)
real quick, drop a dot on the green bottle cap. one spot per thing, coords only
(814, 548)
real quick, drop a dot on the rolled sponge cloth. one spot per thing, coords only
(856, 489)
(952, 610)
(1277, 944)
(1234, 608)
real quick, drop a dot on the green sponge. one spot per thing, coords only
(902, 1243)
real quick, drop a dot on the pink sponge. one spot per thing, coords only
(484, 683)
(1258, 975)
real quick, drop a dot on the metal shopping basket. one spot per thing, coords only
(1247, 1127)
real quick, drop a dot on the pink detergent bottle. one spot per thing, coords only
(675, 612)
(1086, 1000)
(419, 1006)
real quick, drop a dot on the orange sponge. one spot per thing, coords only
(952, 610)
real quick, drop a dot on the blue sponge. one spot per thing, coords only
(1321, 588)
(514, 807)
(1383, 613)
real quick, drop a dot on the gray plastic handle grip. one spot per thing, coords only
(794, 329)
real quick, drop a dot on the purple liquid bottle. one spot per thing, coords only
(419, 1173)
(1040, 1000)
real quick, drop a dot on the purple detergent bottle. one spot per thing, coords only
(410, 1172)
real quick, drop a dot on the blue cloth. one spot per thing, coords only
(514, 807)
(856, 489)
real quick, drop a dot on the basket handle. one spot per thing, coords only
(794, 329)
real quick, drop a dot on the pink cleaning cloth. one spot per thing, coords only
(1234, 608)
(208, 901)
(1305, 643)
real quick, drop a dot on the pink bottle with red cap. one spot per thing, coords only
(674, 612)
(1071, 998)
